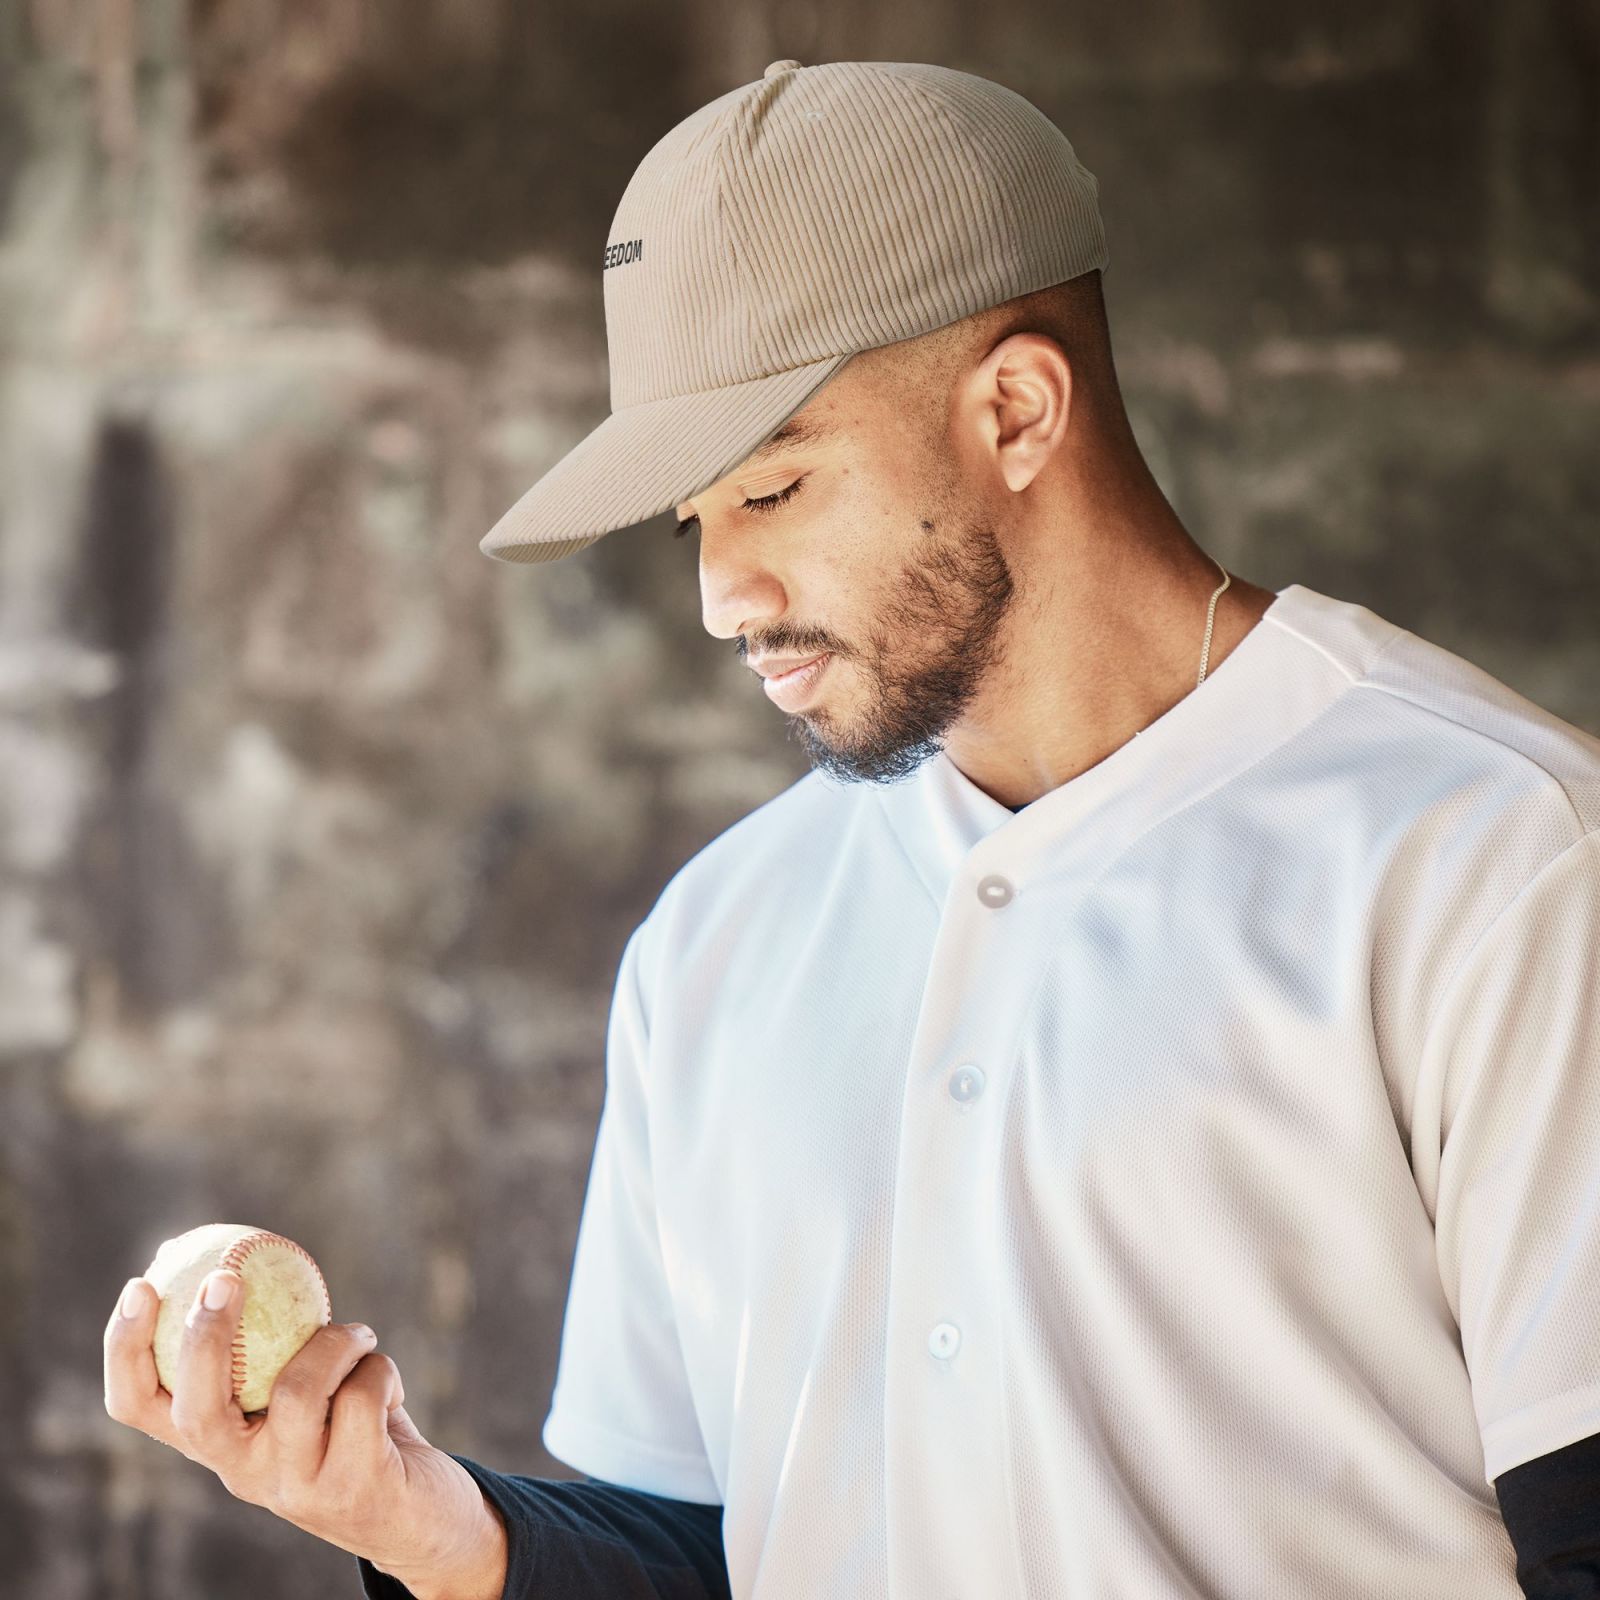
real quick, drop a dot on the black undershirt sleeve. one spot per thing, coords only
(1551, 1509)
(586, 1539)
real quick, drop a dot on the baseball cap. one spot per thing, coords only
(776, 232)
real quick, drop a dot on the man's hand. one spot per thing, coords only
(335, 1454)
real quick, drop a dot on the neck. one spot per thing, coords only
(1104, 636)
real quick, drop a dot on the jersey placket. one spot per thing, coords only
(944, 1366)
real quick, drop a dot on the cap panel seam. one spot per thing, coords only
(730, 231)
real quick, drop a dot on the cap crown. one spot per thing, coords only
(829, 209)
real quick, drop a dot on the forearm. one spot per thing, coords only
(584, 1539)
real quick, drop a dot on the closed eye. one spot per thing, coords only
(765, 503)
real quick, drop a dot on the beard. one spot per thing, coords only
(934, 642)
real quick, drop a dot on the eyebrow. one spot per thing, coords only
(797, 430)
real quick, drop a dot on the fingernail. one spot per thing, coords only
(218, 1291)
(133, 1298)
(362, 1331)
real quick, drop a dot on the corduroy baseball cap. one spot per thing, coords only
(776, 232)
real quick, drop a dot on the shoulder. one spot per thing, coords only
(1455, 794)
(1426, 763)
(1493, 735)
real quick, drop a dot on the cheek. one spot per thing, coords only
(860, 542)
(867, 529)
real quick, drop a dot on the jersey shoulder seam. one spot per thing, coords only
(1311, 642)
(1510, 750)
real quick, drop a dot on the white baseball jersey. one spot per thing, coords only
(1187, 1185)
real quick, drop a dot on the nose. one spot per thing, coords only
(736, 592)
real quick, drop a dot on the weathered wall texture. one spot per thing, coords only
(321, 833)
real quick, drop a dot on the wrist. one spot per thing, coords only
(480, 1572)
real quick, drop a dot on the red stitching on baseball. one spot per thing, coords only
(233, 1260)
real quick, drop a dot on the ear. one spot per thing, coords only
(1023, 389)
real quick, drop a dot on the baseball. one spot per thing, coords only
(285, 1301)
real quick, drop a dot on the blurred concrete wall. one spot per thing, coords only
(321, 833)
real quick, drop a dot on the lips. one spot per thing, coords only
(790, 689)
(773, 668)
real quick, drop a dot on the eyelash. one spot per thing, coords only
(768, 502)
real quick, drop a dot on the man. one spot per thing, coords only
(1127, 1123)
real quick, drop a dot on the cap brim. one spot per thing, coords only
(646, 459)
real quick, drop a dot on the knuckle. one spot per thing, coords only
(320, 1352)
(332, 1346)
(359, 1343)
(293, 1384)
(380, 1365)
(366, 1379)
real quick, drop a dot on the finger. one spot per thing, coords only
(134, 1394)
(204, 1412)
(363, 1412)
(298, 1409)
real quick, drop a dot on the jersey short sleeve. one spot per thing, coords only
(621, 1408)
(1517, 1037)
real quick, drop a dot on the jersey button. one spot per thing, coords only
(966, 1082)
(945, 1340)
(994, 890)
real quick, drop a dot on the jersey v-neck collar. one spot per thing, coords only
(1302, 653)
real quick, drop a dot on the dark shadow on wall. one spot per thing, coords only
(152, 912)
(435, 140)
